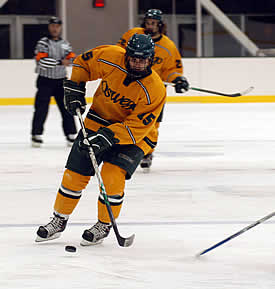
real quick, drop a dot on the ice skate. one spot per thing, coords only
(52, 230)
(96, 234)
(37, 141)
(146, 162)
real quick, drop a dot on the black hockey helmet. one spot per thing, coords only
(54, 20)
(154, 14)
(140, 46)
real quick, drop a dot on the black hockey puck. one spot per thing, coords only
(71, 249)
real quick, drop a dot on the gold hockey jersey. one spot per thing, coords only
(167, 60)
(129, 108)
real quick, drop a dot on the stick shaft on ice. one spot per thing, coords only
(236, 234)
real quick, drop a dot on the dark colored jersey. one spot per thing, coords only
(48, 55)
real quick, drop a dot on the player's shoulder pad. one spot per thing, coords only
(44, 40)
(167, 43)
(109, 53)
(109, 50)
(64, 41)
(138, 30)
(131, 32)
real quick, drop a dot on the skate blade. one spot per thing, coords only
(88, 243)
(55, 236)
(146, 170)
(36, 145)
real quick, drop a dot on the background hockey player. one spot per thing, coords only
(120, 124)
(167, 59)
(52, 54)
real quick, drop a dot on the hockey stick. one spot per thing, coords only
(216, 92)
(236, 234)
(123, 242)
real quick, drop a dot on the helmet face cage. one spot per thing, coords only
(154, 14)
(140, 46)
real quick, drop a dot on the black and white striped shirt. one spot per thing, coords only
(49, 54)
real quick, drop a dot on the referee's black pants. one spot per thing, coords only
(47, 87)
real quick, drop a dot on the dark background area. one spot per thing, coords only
(229, 6)
(259, 18)
(47, 7)
(29, 7)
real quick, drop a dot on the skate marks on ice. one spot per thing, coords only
(162, 257)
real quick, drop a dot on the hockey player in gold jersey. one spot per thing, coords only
(167, 59)
(120, 125)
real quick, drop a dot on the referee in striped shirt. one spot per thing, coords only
(52, 54)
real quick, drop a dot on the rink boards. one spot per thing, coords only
(228, 75)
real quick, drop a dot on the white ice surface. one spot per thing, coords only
(212, 175)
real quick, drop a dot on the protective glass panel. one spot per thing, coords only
(32, 33)
(4, 41)
(29, 7)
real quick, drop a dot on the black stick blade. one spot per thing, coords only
(125, 242)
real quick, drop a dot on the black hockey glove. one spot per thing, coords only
(74, 96)
(181, 84)
(100, 141)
